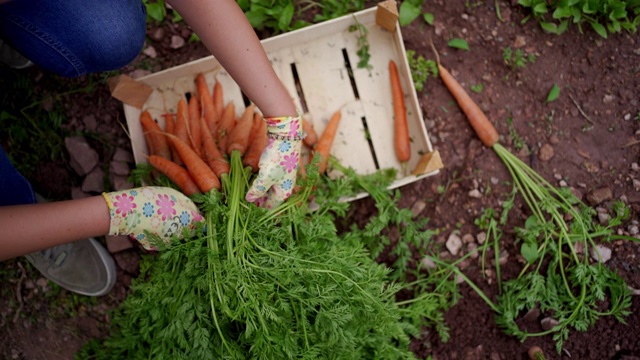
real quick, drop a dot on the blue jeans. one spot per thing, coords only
(75, 37)
(14, 188)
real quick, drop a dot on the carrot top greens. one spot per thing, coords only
(279, 284)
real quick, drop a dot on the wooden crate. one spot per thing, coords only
(318, 65)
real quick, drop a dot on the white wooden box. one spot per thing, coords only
(312, 63)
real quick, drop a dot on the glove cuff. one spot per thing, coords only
(285, 128)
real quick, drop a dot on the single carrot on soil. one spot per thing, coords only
(323, 146)
(176, 173)
(239, 136)
(402, 141)
(198, 169)
(211, 153)
(476, 117)
(258, 143)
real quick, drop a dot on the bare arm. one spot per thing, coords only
(29, 228)
(226, 32)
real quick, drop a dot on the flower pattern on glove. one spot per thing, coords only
(278, 162)
(159, 210)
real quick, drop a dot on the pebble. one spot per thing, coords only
(176, 42)
(428, 263)
(563, 183)
(546, 152)
(599, 196)
(82, 157)
(636, 184)
(417, 208)
(603, 251)
(481, 237)
(454, 243)
(475, 193)
(494, 180)
(467, 238)
(519, 42)
(627, 117)
(471, 250)
(548, 323)
(158, 34)
(151, 52)
(608, 99)
(633, 230)
(94, 181)
(634, 166)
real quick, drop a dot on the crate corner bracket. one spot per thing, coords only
(387, 15)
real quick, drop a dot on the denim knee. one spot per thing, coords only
(75, 37)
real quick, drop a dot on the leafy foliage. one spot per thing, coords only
(604, 16)
(363, 45)
(273, 285)
(421, 69)
(516, 59)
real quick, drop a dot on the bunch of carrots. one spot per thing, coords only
(194, 148)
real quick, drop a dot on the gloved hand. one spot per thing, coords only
(278, 162)
(161, 211)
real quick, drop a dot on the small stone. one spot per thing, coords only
(600, 253)
(519, 42)
(481, 237)
(627, 117)
(548, 323)
(554, 140)
(494, 180)
(607, 99)
(546, 152)
(417, 208)
(158, 34)
(119, 168)
(428, 263)
(438, 28)
(176, 42)
(122, 155)
(603, 218)
(454, 243)
(634, 166)
(94, 182)
(598, 196)
(475, 193)
(472, 250)
(636, 184)
(562, 183)
(633, 229)
(82, 157)
(138, 73)
(151, 52)
(557, 176)
(532, 315)
(467, 238)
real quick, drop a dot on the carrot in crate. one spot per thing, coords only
(312, 137)
(211, 154)
(323, 146)
(155, 135)
(239, 135)
(218, 98)
(176, 173)
(259, 140)
(201, 86)
(169, 128)
(198, 169)
(227, 122)
(402, 141)
(194, 131)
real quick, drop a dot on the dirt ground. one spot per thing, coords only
(587, 138)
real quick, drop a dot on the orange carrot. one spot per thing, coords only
(476, 117)
(176, 173)
(169, 128)
(202, 87)
(312, 137)
(211, 154)
(155, 134)
(259, 141)
(182, 119)
(198, 169)
(227, 122)
(210, 114)
(323, 146)
(218, 98)
(239, 136)
(193, 128)
(401, 130)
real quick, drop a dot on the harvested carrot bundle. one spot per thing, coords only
(198, 169)
(155, 136)
(211, 153)
(176, 173)
(193, 125)
(239, 135)
(312, 137)
(227, 122)
(401, 130)
(323, 146)
(259, 140)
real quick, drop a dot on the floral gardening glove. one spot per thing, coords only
(278, 162)
(161, 211)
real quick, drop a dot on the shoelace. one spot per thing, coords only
(56, 254)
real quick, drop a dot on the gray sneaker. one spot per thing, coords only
(12, 58)
(84, 267)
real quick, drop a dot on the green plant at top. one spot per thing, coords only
(558, 277)
(157, 11)
(518, 142)
(421, 69)
(517, 59)
(276, 15)
(604, 16)
(331, 9)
